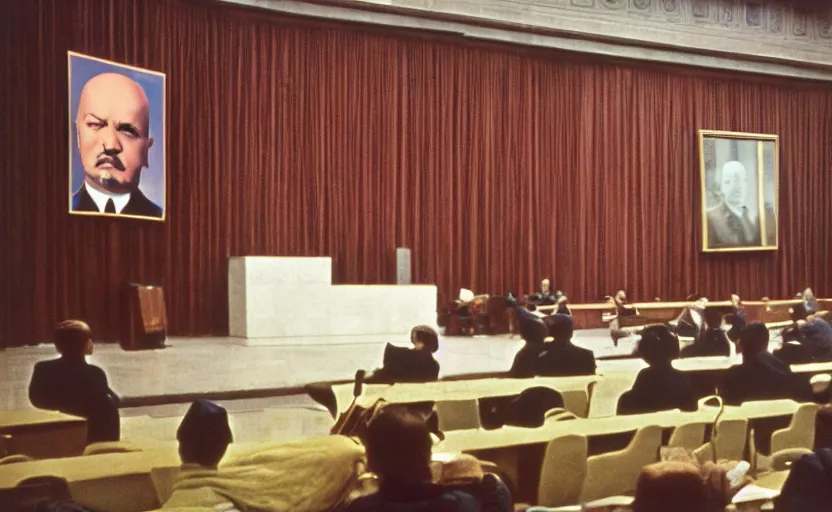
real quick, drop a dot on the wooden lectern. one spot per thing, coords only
(146, 322)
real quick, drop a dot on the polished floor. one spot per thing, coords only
(205, 366)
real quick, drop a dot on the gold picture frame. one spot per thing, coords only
(739, 177)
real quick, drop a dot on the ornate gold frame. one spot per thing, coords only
(69, 56)
(760, 138)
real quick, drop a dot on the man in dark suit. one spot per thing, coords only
(761, 376)
(113, 131)
(72, 386)
(402, 364)
(533, 331)
(729, 222)
(711, 340)
(561, 357)
(659, 387)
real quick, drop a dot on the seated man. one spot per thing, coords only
(809, 484)
(68, 384)
(737, 318)
(761, 376)
(533, 331)
(659, 387)
(690, 323)
(545, 297)
(203, 435)
(309, 474)
(808, 340)
(710, 341)
(398, 447)
(410, 365)
(681, 487)
(561, 357)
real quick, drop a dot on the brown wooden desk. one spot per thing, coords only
(43, 434)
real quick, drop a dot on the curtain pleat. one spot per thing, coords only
(496, 165)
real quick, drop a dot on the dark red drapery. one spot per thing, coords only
(496, 165)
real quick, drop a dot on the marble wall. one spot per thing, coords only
(798, 31)
(780, 37)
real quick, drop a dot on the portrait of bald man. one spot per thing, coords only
(111, 118)
(733, 201)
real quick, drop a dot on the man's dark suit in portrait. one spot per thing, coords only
(730, 223)
(761, 376)
(72, 386)
(113, 130)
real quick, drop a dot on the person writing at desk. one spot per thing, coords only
(70, 385)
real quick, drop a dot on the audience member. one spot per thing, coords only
(711, 340)
(402, 364)
(809, 339)
(398, 447)
(808, 487)
(70, 385)
(533, 331)
(680, 487)
(561, 357)
(737, 318)
(690, 323)
(659, 387)
(760, 376)
(529, 408)
(203, 435)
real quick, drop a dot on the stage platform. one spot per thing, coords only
(224, 368)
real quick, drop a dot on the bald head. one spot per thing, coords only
(113, 127)
(733, 183)
(544, 285)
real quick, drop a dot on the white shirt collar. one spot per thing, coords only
(737, 211)
(100, 198)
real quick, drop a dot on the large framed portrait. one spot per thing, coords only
(739, 173)
(116, 139)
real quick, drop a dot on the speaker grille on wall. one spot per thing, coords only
(402, 265)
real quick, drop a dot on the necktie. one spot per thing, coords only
(111, 207)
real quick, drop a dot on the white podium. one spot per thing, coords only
(285, 297)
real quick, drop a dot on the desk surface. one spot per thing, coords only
(34, 417)
(473, 440)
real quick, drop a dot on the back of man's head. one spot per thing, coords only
(676, 486)
(658, 345)
(72, 337)
(204, 434)
(532, 329)
(559, 326)
(398, 447)
(753, 339)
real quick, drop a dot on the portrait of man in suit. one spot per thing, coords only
(116, 157)
(739, 192)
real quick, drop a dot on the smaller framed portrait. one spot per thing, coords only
(740, 185)
(116, 139)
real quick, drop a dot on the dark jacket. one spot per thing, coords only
(565, 359)
(713, 342)
(809, 485)
(490, 495)
(762, 377)
(658, 388)
(138, 205)
(525, 361)
(403, 364)
(74, 387)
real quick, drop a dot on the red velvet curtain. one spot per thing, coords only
(496, 165)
